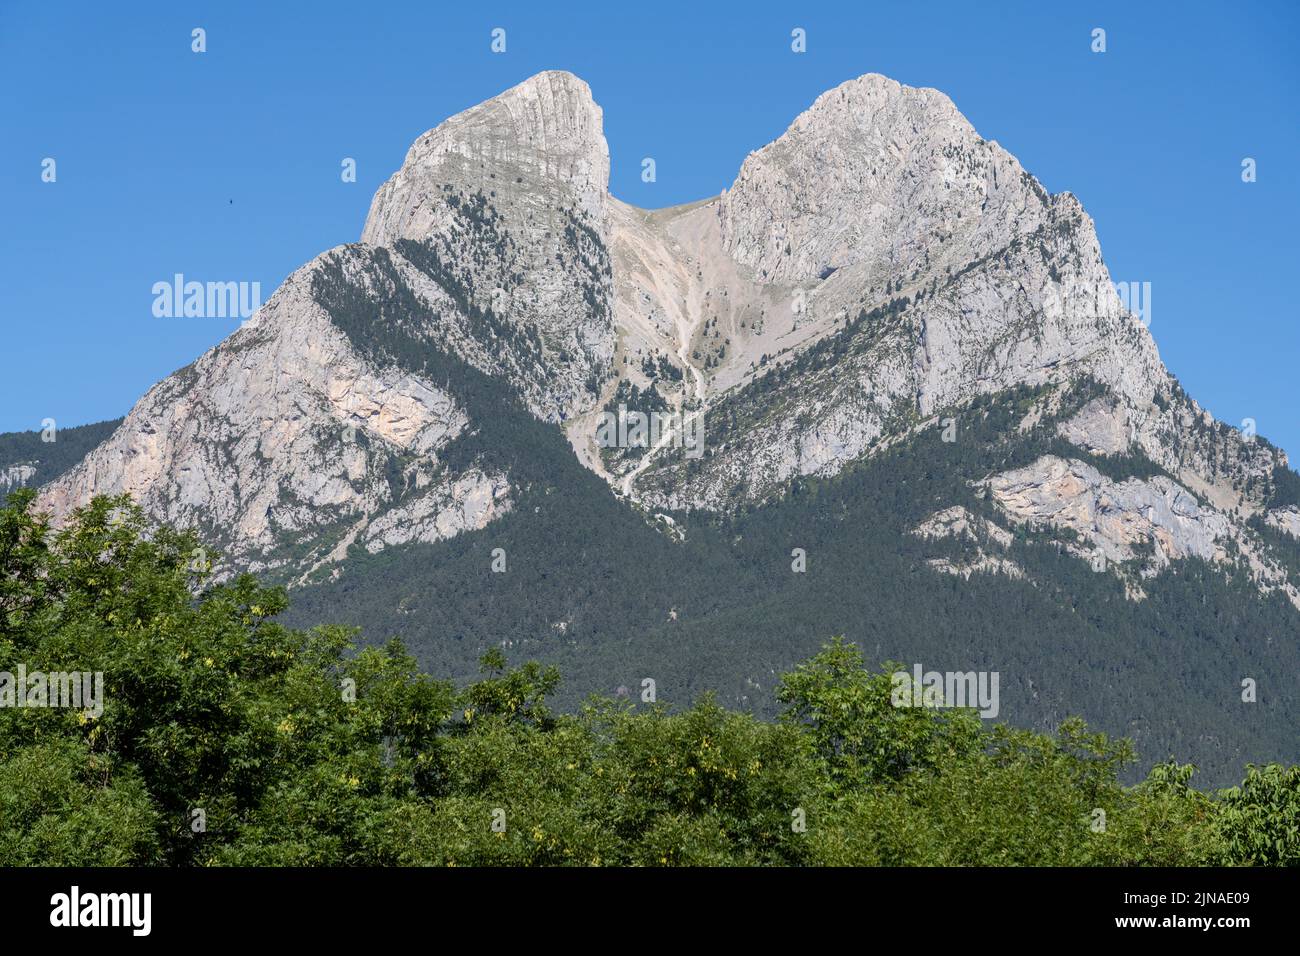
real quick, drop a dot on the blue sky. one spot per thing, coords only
(225, 165)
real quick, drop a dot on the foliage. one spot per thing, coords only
(1260, 820)
(290, 747)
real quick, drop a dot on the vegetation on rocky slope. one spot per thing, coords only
(592, 587)
(50, 453)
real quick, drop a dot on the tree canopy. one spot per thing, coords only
(226, 737)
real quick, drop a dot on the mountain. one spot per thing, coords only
(31, 459)
(897, 396)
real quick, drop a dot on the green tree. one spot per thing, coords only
(853, 725)
(1260, 820)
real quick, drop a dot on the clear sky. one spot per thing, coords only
(225, 165)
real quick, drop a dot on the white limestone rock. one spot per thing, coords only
(1114, 517)
(1286, 520)
(16, 476)
(257, 440)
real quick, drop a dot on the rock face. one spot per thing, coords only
(897, 264)
(958, 522)
(870, 274)
(886, 180)
(1286, 520)
(280, 437)
(981, 534)
(16, 476)
(1120, 520)
(512, 196)
(547, 131)
(1099, 427)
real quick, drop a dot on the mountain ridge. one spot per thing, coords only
(877, 197)
(878, 278)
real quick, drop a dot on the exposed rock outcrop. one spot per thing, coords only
(16, 476)
(1155, 519)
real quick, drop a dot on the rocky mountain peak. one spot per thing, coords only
(504, 208)
(882, 176)
(537, 146)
